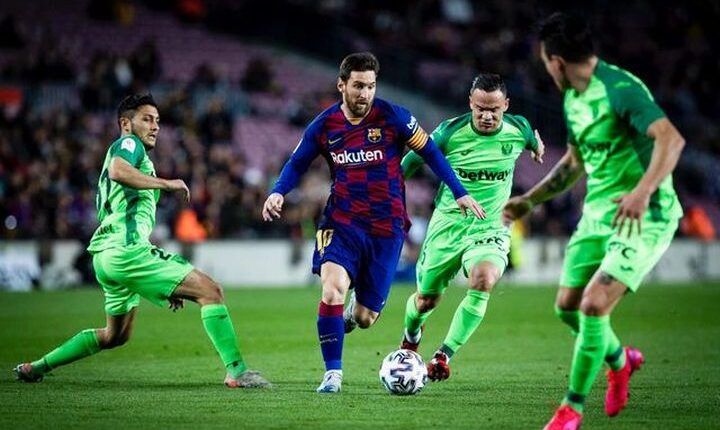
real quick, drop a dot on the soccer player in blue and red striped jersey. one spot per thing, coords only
(364, 224)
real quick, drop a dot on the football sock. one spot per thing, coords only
(615, 353)
(219, 328)
(79, 346)
(569, 317)
(615, 357)
(331, 333)
(413, 318)
(467, 318)
(588, 356)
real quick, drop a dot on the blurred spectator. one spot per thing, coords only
(258, 76)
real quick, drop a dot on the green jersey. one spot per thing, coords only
(484, 162)
(608, 123)
(126, 215)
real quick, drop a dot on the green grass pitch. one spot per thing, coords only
(510, 375)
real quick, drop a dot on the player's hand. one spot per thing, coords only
(178, 185)
(516, 208)
(273, 206)
(631, 208)
(539, 152)
(175, 304)
(466, 202)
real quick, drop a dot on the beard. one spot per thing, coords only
(359, 110)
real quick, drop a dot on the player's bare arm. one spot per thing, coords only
(273, 206)
(562, 176)
(666, 152)
(124, 173)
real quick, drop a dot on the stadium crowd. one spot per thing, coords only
(50, 157)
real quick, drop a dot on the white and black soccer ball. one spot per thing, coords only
(403, 372)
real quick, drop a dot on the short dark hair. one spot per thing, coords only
(128, 105)
(567, 36)
(358, 62)
(488, 82)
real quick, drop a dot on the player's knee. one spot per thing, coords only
(110, 340)
(483, 279)
(215, 292)
(568, 299)
(333, 293)
(592, 305)
(426, 303)
(212, 292)
(365, 320)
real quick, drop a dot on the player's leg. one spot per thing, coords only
(330, 324)
(471, 311)
(626, 262)
(583, 255)
(375, 275)
(85, 343)
(484, 263)
(438, 263)
(598, 300)
(160, 276)
(120, 307)
(203, 290)
(336, 260)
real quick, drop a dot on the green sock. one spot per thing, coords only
(615, 356)
(79, 346)
(413, 318)
(590, 347)
(467, 318)
(219, 328)
(615, 353)
(569, 317)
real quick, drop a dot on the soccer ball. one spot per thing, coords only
(403, 372)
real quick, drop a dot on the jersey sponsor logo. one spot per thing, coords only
(624, 250)
(484, 175)
(374, 135)
(128, 144)
(347, 158)
(507, 148)
(490, 241)
(466, 152)
(412, 124)
(106, 230)
(334, 141)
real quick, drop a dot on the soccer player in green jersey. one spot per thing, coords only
(624, 143)
(481, 146)
(128, 266)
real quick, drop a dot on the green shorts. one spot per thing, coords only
(453, 243)
(596, 245)
(138, 270)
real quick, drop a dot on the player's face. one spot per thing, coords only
(358, 92)
(488, 109)
(555, 67)
(146, 125)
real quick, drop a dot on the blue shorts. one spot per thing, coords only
(369, 260)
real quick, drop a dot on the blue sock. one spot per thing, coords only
(331, 332)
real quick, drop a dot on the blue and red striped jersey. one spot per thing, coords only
(368, 190)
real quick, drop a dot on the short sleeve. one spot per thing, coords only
(570, 135)
(632, 101)
(409, 129)
(528, 134)
(130, 149)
